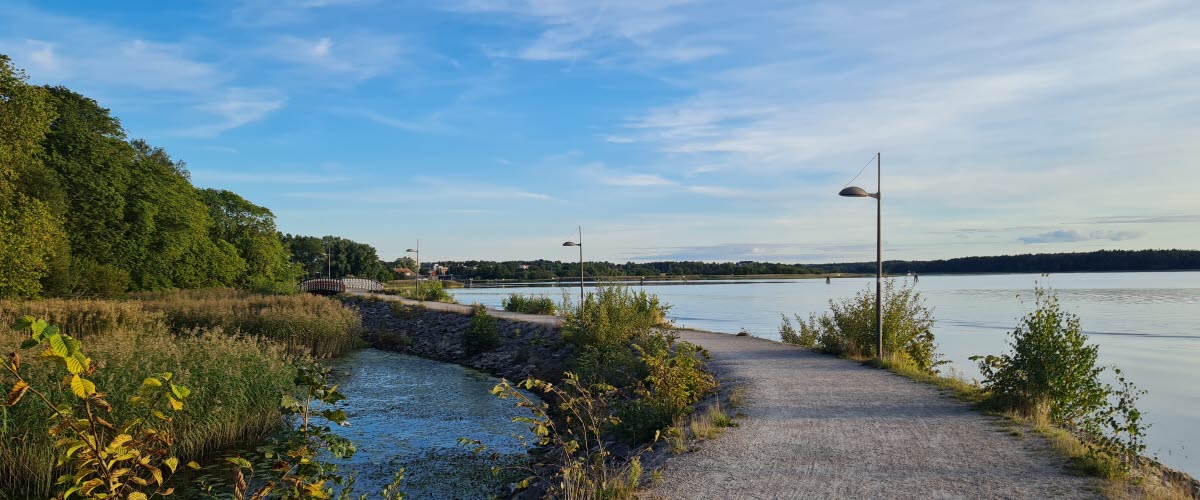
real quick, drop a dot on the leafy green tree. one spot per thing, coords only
(251, 230)
(32, 242)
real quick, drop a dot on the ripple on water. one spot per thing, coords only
(409, 412)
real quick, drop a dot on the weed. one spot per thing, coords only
(529, 304)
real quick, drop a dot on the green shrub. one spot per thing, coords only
(89, 279)
(674, 379)
(1050, 374)
(483, 334)
(849, 327)
(529, 304)
(427, 290)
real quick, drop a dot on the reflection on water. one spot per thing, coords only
(408, 412)
(1146, 323)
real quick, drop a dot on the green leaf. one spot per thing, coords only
(29, 343)
(23, 323)
(58, 345)
(73, 365)
(180, 391)
(171, 463)
(239, 462)
(82, 387)
(151, 382)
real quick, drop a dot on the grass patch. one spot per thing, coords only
(425, 291)
(320, 326)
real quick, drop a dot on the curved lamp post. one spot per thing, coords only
(857, 192)
(580, 245)
(418, 252)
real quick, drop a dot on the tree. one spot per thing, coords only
(251, 230)
(32, 242)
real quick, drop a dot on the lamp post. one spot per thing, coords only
(580, 245)
(857, 192)
(418, 252)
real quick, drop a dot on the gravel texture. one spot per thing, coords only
(817, 426)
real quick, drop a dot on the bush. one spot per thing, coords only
(308, 323)
(89, 279)
(849, 327)
(427, 290)
(604, 329)
(529, 304)
(675, 379)
(483, 334)
(1051, 375)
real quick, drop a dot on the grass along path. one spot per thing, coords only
(818, 426)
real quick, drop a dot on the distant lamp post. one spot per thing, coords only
(857, 192)
(580, 245)
(418, 261)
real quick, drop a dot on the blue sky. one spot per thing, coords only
(672, 129)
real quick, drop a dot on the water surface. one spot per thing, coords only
(1146, 323)
(408, 412)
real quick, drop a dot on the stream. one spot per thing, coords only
(408, 412)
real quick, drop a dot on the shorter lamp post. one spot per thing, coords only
(580, 245)
(857, 192)
(418, 252)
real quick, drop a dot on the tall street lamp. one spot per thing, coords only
(857, 192)
(580, 245)
(418, 252)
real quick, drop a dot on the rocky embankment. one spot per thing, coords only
(528, 349)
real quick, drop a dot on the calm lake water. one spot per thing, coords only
(1148, 324)
(408, 412)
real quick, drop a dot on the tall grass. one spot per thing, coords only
(320, 326)
(236, 383)
(82, 319)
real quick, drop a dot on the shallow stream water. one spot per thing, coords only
(1148, 324)
(408, 412)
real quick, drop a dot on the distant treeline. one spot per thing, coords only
(1101, 260)
(86, 211)
(545, 269)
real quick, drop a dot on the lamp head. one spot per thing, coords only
(411, 250)
(571, 244)
(854, 192)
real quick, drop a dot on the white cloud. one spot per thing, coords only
(358, 55)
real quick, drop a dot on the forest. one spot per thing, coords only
(87, 211)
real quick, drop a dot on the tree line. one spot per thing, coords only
(1098, 261)
(85, 210)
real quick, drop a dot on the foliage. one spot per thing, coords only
(235, 384)
(101, 459)
(305, 323)
(528, 304)
(603, 328)
(428, 290)
(336, 257)
(251, 230)
(482, 335)
(1070, 262)
(849, 327)
(1050, 374)
(675, 379)
(579, 464)
(32, 240)
(90, 279)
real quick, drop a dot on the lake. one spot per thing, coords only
(1148, 324)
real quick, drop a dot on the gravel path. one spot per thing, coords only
(821, 427)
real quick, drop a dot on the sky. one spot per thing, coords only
(668, 130)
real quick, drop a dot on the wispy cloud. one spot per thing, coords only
(239, 177)
(237, 107)
(1072, 235)
(358, 55)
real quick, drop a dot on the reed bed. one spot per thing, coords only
(81, 318)
(317, 325)
(236, 382)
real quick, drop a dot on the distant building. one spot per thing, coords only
(404, 271)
